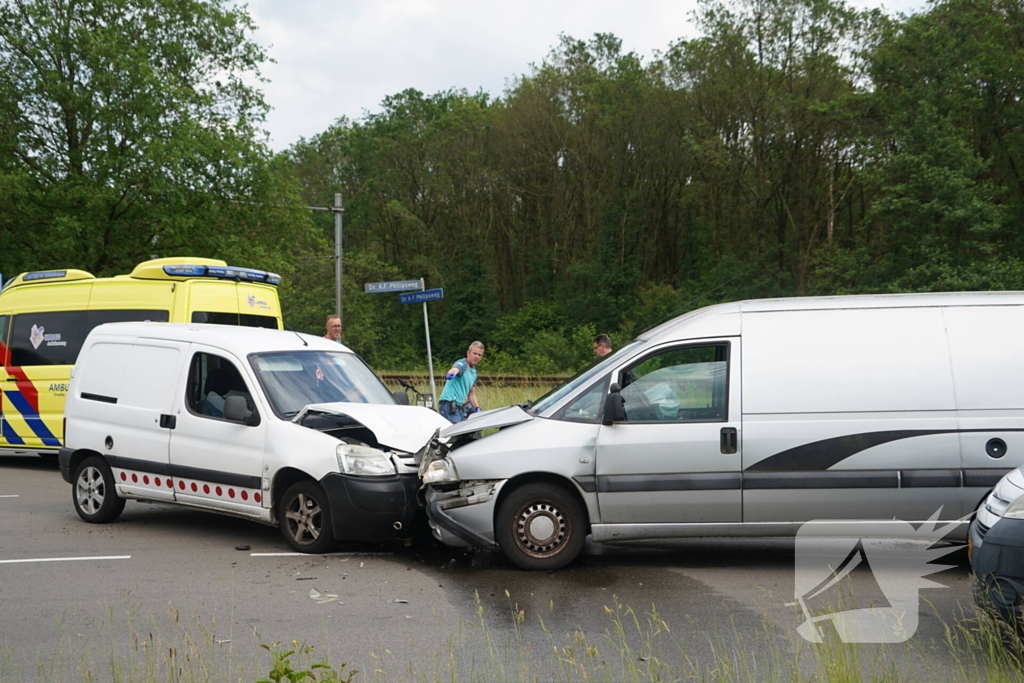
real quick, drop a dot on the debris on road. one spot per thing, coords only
(242, 547)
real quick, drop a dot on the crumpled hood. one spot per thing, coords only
(492, 419)
(403, 428)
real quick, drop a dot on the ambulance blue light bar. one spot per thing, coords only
(224, 273)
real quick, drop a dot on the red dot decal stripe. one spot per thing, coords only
(231, 493)
(145, 479)
(206, 488)
(256, 497)
(158, 482)
(135, 478)
(245, 496)
(124, 477)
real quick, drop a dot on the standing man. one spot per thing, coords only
(460, 389)
(333, 328)
(602, 345)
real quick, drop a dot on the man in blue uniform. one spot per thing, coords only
(460, 389)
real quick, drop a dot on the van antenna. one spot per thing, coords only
(690, 302)
(304, 343)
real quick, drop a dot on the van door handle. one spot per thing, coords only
(168, 422)
(729, 441)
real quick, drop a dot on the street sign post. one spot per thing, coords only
(424, 296)
(393, 286)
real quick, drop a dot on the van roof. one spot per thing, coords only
(808, 303)
(238, 340)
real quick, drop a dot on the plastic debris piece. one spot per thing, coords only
(221, 642)
(361, 564)
(400, 601)
(242, 547)
(305, 578)
(322, 598)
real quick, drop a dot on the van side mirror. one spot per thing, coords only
(236, 410)
(614, 406)
(402, 397)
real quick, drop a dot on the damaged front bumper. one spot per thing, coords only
(464, 516)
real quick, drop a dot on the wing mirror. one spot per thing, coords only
(402, 397)
(614, 406)
(236, 410)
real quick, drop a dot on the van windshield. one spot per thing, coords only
(588, 373)
(294, 379)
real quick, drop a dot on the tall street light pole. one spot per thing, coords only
(338, 209)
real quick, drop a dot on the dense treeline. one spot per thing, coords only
(795, 147)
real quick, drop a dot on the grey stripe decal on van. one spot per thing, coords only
(821, 455)
(881, 479)
(167, 470)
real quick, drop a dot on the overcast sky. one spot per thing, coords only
(339, 58)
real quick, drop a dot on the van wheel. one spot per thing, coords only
(93, 492)
(541, 526)
(306, 518)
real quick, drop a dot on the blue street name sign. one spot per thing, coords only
(394, 286)
(416, 297)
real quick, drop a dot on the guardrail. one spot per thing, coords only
(483, 380)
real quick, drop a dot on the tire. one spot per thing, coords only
(541, 526)
(92, 491)
(305, 518)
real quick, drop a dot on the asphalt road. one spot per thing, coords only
(175, 586)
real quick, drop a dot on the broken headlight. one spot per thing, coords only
(440, 470)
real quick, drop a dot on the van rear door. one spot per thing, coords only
(123, 401)
(987, 371)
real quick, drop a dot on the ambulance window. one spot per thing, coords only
(52, 338)
(126, 316)
(250, 320)
(211, 379)
(214, 318)
(3, 329)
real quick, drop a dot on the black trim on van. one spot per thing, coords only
(185, 472)
(98, 397)
(841, 479)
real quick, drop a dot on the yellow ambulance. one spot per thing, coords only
(45, 317)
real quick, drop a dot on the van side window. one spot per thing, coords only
(211, 379)
(3, 337)
(684, 384)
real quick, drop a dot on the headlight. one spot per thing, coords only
(362, 461)
(440, 471)
(1015, 509)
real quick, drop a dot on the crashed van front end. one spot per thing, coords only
(461, 511)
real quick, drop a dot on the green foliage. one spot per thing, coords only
(283, 667)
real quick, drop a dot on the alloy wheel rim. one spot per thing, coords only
(90, 490)
(305, 519)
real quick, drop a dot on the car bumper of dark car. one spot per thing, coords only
(997, 560)
(371, 509)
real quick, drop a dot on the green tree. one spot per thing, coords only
(127, 128)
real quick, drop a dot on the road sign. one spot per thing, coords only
(416, 297)
(394, 286)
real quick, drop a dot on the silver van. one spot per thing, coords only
(747, 419)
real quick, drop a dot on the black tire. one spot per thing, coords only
(541, 526)
(305, 518)
(92, 491)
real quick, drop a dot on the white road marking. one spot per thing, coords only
(67, 559)
(352, 554)
(9, 495)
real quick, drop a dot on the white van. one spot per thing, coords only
(749, 419)
(278, 427)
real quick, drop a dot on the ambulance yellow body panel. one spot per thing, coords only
(45, 317)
